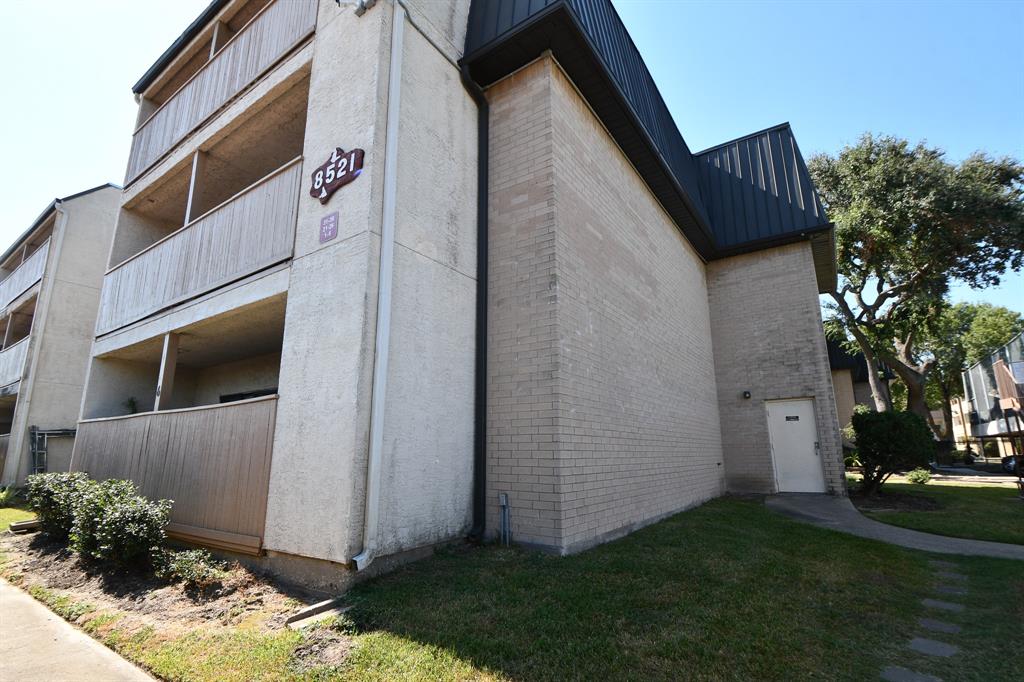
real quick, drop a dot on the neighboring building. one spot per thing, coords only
(327, 379)
(849, 381)
(48, 299)
(988, 418)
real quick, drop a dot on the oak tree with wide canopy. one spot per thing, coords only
(908, 223)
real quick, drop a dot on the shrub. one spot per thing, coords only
(8, 496)
(194, 567)
(113, 523)
(53, 498)
(919, 476)
(888, 442)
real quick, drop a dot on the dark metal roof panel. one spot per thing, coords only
(758, 187)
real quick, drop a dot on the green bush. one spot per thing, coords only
(8, 496)
(53, 498)
(194, 567)
(113, 523)
(919, 476)
(888, 442)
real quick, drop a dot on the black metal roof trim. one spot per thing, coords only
(46, 214)
(505, 35)
(718, 213)
(194, 29)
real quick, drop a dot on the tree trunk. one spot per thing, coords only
(914, 380)
(947, 413)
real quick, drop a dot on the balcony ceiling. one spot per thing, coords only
(250, 331)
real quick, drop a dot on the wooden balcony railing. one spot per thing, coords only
(12, 362)
(26, 274)
(261, 43)
(213, 461)
(251, 231)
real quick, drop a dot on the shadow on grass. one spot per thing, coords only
(727, 590)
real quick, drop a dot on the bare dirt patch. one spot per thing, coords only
(133, 602)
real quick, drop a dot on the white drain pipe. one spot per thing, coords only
(371, 515)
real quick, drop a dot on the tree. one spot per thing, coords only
(991, 328)
(908, 222)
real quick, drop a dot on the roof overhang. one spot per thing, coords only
(558, 29)
(194, 29)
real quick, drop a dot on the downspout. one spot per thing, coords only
(480, 358)
(371, 513)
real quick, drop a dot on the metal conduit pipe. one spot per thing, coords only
(480, 358)
(371, 515)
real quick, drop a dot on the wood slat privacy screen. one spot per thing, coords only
(26, 274)
(252, 231)
(268, 37)
(214, 462)
(12, 362)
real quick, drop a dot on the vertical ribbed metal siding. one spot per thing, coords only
(758, 187)
(616, 48)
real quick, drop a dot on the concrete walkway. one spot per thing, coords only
(37, 644)
(838, 513)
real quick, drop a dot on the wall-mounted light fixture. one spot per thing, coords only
(746, 395)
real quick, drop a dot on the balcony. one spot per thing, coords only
(269, 36)
(12, 362)
(26, 275)
(212, 460)
(250, 231)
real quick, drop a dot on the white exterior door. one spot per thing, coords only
(794, 442)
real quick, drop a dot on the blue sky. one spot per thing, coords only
(950, 73)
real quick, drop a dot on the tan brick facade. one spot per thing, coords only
(767, 335)
(603, 411)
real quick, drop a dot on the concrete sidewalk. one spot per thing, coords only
(37, 644)
(838, 513)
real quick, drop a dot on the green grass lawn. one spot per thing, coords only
(9, 515)
(973, 511)
(725, 591)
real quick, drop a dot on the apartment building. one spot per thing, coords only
(49, 295)
(385, 274)
(988, 418)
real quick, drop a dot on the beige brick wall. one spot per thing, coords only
(768, 339)
(603, 411)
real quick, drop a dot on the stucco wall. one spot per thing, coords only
(62, 329)
(603, 410)
(768, 339)
(241, 376)
(842, 386)
(321, 441)
(426, 491)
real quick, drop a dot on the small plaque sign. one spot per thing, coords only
(792, 418)
(328, 227)
(339, 170)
